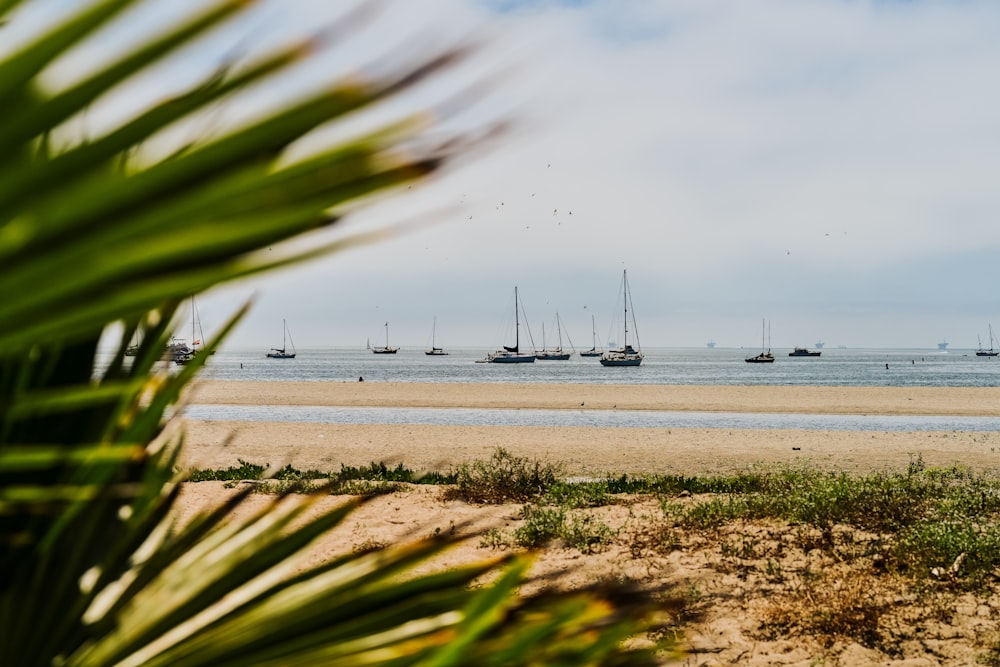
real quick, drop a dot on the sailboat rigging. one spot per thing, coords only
(508, 354)
(626, 355)
(982, 352)
(178, 348)
(593, 351)
(386, 349)
(558, 354)
(435, 351)
(282, 352)
(765, 357)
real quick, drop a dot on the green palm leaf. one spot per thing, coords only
(94, 567)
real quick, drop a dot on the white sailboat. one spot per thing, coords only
(626, 355)
(386, 349)
(512, 355)
(435, 351)
(593, 351)
(286, 339)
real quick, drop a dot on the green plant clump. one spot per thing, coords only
(102, 237)
(504, 478)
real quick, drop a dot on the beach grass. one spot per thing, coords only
(937, 523)
(832, 556)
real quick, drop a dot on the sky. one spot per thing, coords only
(829, 166)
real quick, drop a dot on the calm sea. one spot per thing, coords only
(899, 368)
(725, 366)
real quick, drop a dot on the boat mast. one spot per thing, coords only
(517, 325)
(625, 299)
(284, 330)
(387, 335)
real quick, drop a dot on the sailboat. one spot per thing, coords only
(593, 351)
(178, 348)
(557, 354)
(282, 352)
(981, 352)
(765, 356)
(435, 351)
(513, 355)
(627, 355)
(386, 349)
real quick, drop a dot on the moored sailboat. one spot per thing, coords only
(765, 356)
(983, 352)
(386, 349)
(435, 351)
(593, 351)
(626, 355)
(558, 354)
(508, 354)
(282, 352)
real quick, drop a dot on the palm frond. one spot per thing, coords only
(96, 568)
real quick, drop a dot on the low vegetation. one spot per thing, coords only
(830, 556)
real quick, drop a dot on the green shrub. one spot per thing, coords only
(504, 478)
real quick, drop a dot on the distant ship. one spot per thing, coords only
(819, 345)
(710, 344)
(943, 345)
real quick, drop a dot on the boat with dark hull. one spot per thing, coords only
(765, 356)
(512, 354)
(593, 351)
(626, 355)
(435, 351)
(991, 352)
(804, 352)
(386, 349)
(558, 354)
(282, 352)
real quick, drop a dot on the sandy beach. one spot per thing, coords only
(593, 451)
(732, 599)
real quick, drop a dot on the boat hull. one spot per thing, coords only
(592, 353)
(553, 356)
(511, 359)
(436, 352)
(621, 362)
(385, 350)
(760, 359)
(280, 355)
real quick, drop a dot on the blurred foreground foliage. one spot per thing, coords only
(98, 234)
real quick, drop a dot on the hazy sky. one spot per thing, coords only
(829, 165)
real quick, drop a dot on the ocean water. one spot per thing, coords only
(719, 366)
(696, 366)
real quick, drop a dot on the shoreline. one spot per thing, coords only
(958, 401)
(592, 451)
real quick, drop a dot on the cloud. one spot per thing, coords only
(718, 149)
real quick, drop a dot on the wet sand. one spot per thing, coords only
(593, 451)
